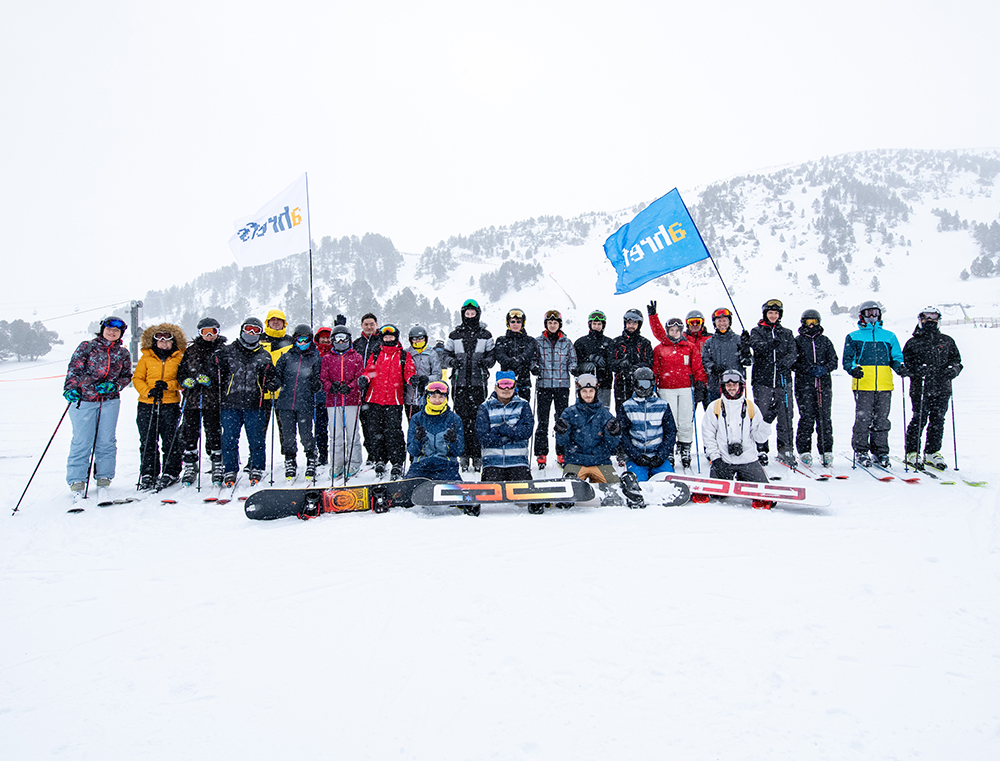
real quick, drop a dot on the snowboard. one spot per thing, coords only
(460, 494)
(805, 496)
(272, 504)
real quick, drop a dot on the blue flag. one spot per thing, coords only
(662, 238)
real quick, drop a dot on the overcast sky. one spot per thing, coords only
(134, 134)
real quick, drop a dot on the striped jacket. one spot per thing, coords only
(648, 428)
(503, 431)
(558, 361)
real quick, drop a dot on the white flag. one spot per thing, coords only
(279, 228)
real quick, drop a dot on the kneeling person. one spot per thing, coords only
(589, 435)
(435, 439)
(504, 423)
(732, 427)
(648, 428)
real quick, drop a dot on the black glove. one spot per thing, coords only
(951, 371)
(341, 320)
(156, 393)
(561, 425)
(451, 435)
(700, 393)
(456, 364)
(923, 371)
(600, 363)
(745, 335)
(614, 428)
(415, 381)
(536, 369)
(339, 387)
(363, 383)
(857, 372)
(654, 462)
(903, 371)
(161, 385)
(651, 309)
(422, 384)
(419, 432)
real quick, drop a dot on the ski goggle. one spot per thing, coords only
(437, 387)
(389, 330)
(774, 304)
(644, 383)
(876, 313)
(675, 322)
(303, 341)
(721, 313)
(252, 330)
(341, 339)
(597, 316)
(810, 321)
(505, 383)
(932, 316)
(206, 332)
(553, 314)
(163, 336)
(695, 322)
(515, 315)
(116, 323)
(732, 377)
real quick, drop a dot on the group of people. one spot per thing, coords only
(344, 399)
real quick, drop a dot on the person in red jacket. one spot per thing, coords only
(341, 368)
(389, 369)
(677, 367)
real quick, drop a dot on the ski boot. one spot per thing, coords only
(561, 459)
(464, 464)
(190, 473)
(631, 490)
(863, 459)
(477, 464)
(536, 508)
(935, 460)
(166, 481)
(914, 460)
(396, 473)
(882, 460)
(255, 476)
(379, 469)
(685, 450)
(76, 488)
(828, 459)
(310, 473)
(290, 468)
(787, 458)
(671, 460)
(229, 479)
(146, 482)
(217, 471)
(311, 506)
(542, 460)
(807, 458)
(762, 459)
(472, 510)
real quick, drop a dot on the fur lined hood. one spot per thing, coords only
(180, 340)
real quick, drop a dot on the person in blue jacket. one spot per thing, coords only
(648, 428)
(435, 439)
(589, 435)
(504, 424)
(297, 377)
(871, 353)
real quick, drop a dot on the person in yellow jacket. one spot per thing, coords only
(275, 342)
(158, 412)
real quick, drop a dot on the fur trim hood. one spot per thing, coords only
(180, 340)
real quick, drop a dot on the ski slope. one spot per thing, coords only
(866, 630)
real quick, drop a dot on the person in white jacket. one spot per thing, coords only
(732, 428)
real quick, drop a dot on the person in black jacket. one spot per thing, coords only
(632, 350)
(297, 377)
(517, 352)
(814, 389)
(245, 371)
(934, 360)
(365, 345)
(594, 354)
(199, 377)
(469, 353)
(774, 354)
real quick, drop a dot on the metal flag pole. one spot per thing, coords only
(309, 233)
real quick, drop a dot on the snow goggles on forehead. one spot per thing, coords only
(163, 336)
(773, 304)
(505, 383)
(675, 322)
(553, 314)
(251, 329)
(115, 324)
(437, 387)
(209, 332)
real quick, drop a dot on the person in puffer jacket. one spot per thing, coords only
(518, 352)
(427, 368)
(732, 427)
(199, 376)
(158, 412)
(341, 369)
(297, 381)
(632, 350)
(871, 353)
(814, 389)
(557, 365)
(469, 354)
(388, 372)
(677, 366)
(724, 350)
(774, 354)
(589, 435)
(504, 424)
(648, 429)
(434, 439)
(98, 370)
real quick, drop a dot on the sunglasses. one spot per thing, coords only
(206, 332)
(115, 324)
(163, 336)
(252, 330)
(516, 319)
(505, 383)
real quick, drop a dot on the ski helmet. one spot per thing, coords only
(644, 382)
(873, 310)
(694, 314)
(632, 315)
(417, 332)
(732, 376)
(112, 322)
(340, 339)
(586, 380)
(597, 316)
(250, 332)
(209, 322)
(554, 314)
(927, 311)
(389, 330)
(437, 387)
(722, 312)
(811, 314)
(772, 304)
(302, 336)
(515, 314)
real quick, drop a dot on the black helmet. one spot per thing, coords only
(517, 314)
(811, 314)
(632, 315)
(340, 338)
(417, 332)
(774, 304)
(208, 322)
(113, 322)
(250, 332)
(644, 382)
(389, 329)
(302, 331)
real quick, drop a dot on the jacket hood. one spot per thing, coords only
(281, 316)
(147, 342)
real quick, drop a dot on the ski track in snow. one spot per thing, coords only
(869, 629)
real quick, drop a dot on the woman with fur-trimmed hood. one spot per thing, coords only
(155, 379)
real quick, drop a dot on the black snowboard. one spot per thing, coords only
(271, 504)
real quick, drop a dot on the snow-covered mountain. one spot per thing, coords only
(907, 227)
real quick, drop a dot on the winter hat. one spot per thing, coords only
(302, 331)
(340, 339)
(251, 338)
(506, 375)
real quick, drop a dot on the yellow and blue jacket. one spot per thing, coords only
(876, 351)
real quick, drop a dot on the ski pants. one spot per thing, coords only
(157, 425)
(546, 398)
(467, 401)
(89, 436)
(815, 400)
(233, 421)
(682, 408)
(435, 468)
(302, 420)
(345, 440)
(492, 474)
(775, 404)
(871, 422)
(386, 424)
(928, 411)
(322, 432)
(194, 419)
(744, 471)
(643, 472)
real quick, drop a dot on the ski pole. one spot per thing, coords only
(61, 417)
(173, 441)
(902, 387)
(274, 422)
(146, 450)
(197, 449)
(954, 439)
(93, 449)
(694, 426)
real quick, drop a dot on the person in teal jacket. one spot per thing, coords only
(871, 354)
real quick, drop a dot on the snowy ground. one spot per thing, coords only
(868, 630)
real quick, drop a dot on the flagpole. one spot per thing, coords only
(717, 272)
(309, 232)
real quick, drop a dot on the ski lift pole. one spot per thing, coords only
(44, 451)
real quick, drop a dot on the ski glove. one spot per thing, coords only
(419, 432)
(700, 393)
(857, 372)
(156, 394)
(363, 383)
(105, 388)
(951, 371)
(341, 320)
(903, 371)
(204, 380)
(536, 369)
(71, 395)
(161, 385)
(651, 309)
(451, 435)
(188, 383)
(818, 371)
(614, 428)
(561, 426)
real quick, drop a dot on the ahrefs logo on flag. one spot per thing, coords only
(656, 242)
(279, 223)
